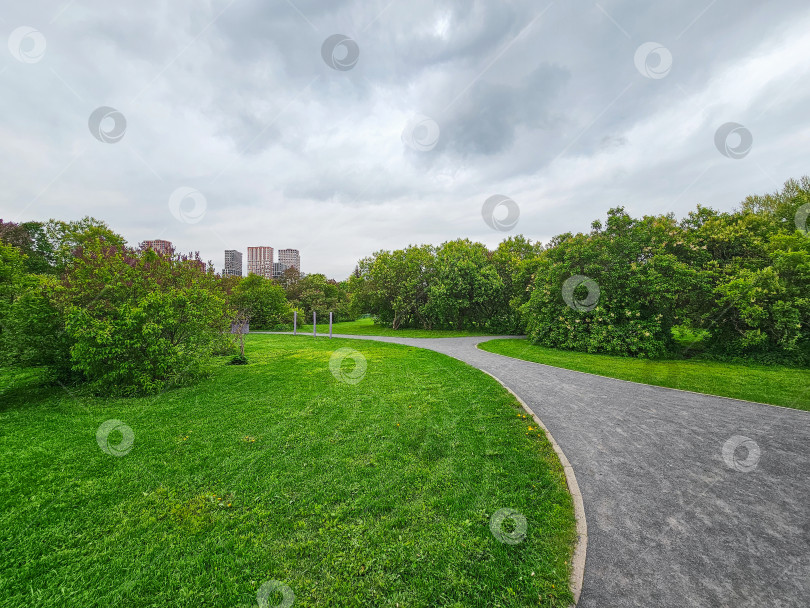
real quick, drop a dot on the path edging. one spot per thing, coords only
(577, 578)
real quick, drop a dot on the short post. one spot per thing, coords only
(295, 322)
(330, 324)
(314, 323)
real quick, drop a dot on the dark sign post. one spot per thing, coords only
(295, 322)
(330, 324)
(314, 323)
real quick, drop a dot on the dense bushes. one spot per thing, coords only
(125, 321)
(139, 321)
(733, 284)
(640, 284)
(738, 283)
(465, 288)
(457, 285)
(760, 273)
(261, 301)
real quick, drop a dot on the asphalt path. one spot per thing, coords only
(690, 499)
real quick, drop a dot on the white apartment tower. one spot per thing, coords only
(290, 258)
(260, 261)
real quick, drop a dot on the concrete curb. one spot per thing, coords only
(577, 578)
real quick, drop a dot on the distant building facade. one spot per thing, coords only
(278, 269)
(233, 263)
(260, 261)
(291, 258)
(159, 246)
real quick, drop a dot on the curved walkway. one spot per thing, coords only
(676, 516)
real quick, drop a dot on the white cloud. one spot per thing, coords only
(291, 153)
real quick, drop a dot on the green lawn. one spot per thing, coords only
(378, 493)
(786, 386)
(366, 327)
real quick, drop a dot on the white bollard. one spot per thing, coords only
(314, 323)
(295, 322)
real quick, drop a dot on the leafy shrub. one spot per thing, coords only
(35, 329)
(643, 288)
(140, 322)
(261, 301)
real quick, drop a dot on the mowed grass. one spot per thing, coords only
(373, 494)
(366, 327)
(785, 386)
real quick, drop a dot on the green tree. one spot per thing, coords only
(758, 267)
(261, 301)
(31, 239)
(643, 288)
(516, 260)
(66, 239)
(466, 291)
(31, 326)
(396, 285)
(315, 293)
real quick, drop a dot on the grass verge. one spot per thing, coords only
(378, 493)
(785, 386)
(366, 327)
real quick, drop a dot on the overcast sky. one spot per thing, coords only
(232, 123)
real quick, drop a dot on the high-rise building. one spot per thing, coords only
(290, 258)
(159, 246)
(260, 261)
(278, 269)
(233, 263)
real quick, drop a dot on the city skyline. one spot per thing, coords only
(262, 262)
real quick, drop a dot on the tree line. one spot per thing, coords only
(77, 301)
(719, 284)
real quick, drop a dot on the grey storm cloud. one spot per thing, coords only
(540, 102)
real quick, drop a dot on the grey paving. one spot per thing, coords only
(670, 521)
